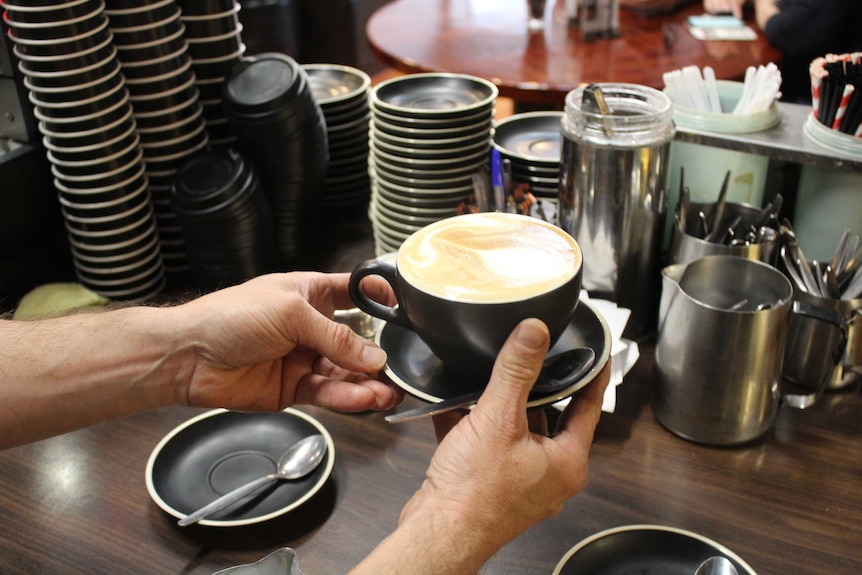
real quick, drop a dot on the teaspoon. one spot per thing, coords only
(717, 565)
(298, 461)
(559, 372)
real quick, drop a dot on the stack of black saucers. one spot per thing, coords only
(226, 220)
(430, 133)
(342, 93)
(532, 142)
(279, 125)
(214, 34)
(72, 72)
(149, 36)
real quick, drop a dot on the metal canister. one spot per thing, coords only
(613, 192)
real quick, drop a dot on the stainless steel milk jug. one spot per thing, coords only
(613, 192)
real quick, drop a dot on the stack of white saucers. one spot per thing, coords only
(342, 93)
(149, 36)
(532, 142)
(71, 69)
(429, 134)
(214, 34)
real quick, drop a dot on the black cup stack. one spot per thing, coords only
(214, 34)
(71, 69)
(226, 220)
(342, 93)
(430, 133)
(532, 142)
(152, 49)
(277, 122)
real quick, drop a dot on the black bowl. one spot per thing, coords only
(65, 62)
(61, 46)
(62, 30)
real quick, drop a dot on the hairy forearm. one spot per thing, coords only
(67, 373)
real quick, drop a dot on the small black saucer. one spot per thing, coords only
(219, 450)
(416, 370)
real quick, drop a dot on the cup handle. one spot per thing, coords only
(828, 315)
(386, 270)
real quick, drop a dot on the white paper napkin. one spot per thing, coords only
(624, 352)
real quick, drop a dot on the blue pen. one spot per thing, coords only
(497, 180)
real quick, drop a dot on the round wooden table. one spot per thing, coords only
(490, 39)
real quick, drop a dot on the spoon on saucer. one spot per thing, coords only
(716, 565)
(298, 461)
(559, 372)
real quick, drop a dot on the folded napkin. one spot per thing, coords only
(624, 352)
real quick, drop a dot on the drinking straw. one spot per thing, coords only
(842, 105)
(711, 89)
(816, 71)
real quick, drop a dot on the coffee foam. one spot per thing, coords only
(489, 258)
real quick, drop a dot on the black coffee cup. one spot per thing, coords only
(465, 315)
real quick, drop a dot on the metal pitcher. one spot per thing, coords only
(723, 321)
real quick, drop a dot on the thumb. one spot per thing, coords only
(517, 368)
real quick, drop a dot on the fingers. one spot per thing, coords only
(516, 370)
(369, 394)
(578, 422)
(374, 287)
(336, 341)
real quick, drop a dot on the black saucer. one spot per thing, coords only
(219, 450)
(416, 370)
(646, 549)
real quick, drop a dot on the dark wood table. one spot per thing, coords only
(491, 40)
(790, 503)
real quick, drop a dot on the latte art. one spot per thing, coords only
(488, 258)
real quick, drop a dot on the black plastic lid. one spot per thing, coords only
(210, 181)
(261, 84)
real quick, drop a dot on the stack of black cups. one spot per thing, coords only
(153, 51)
(278, 123)
(71, 69)
(226, 220)
(214, 35)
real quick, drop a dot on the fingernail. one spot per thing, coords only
(530, 334)
(374, 357)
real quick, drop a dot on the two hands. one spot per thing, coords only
(491, 477)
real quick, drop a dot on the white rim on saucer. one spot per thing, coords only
(602, 534)
(327, 472)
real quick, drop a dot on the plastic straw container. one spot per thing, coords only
(705, 166)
